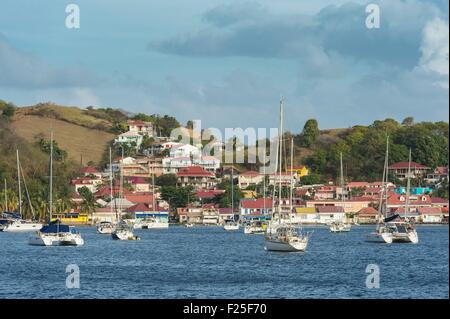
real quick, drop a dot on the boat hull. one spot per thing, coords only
(273, 245)
(155, 225)
(340, 228)
(231, 227)
(56, 240)
(377, 237)
(22, 227)
(410, 237)
(123, 235)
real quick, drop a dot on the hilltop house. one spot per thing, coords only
(129, 138)
(299, 170)
(250, 178)
(197, 177)
(174, 164)
(400, 170)
(140, 127)
(440, 173)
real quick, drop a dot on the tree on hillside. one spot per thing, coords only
(310, 133)
(408, 121)
(166, 180)
(7, 110)
(178, 196)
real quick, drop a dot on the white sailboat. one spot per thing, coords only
(231, 225)
(157, 220)
(55, 233)
(122, 231)
(382, 233)
(106, 227)
(405, 231)
(19, 224)
(341, 225)
(282, 236)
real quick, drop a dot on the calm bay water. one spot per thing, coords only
(207, 262)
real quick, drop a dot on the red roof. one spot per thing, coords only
(357, 184)
(404, 165)
(439, 200)
(194, 171)
(82, 181)
(106, 191)
(441, 170)
(225, 210)
(139, 198)
(137, 180)
(88, 170)
(367, 211)
(135, 122)
(140, 207)
(250, 173)
(396, 199)
(202, 194)
(256, 203)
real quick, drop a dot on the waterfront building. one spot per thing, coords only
(431, 214)
(367, 215)
(305, 215)
(256, 209)
(329, 214)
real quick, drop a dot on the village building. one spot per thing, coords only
(286, 179)
(400, 170)
(256, 209)
(130, 139)
(197, 177)
(328, 214)
(439, 174)
(140, 127)
(367, 215)
(431, 215)
(250, 178)
(299, 171)
(305, 215)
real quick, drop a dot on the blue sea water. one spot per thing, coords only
(207, 262)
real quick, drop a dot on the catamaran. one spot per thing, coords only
(231, 224)
(282, 236)
(405, 231)
(55, 233)
(341, 226)
(18, 224)
(382, 233)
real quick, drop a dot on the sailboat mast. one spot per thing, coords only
(292, 175)
(19, 184)
(51, 177)
(232, 190)
(111, 183)
(153, 192)
(408, 185)
(280, 145)
(264, 180)
(6, 196)
(121, 185)
(342, 184)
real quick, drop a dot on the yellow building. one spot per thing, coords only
(248, 194)
(71, 218)
(300, 170)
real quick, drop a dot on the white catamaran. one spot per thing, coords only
(55, 233)
(341, 225)
(404, 231)
(18, 224)
(282, 236)
(382, 233)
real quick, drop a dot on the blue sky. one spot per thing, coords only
(228, 62)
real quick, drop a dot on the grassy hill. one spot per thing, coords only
(77, 132)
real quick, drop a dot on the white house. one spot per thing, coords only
(129, 138)
(140, 127)
(431, 214)
(328, 214)
(305, 215)
(185, 150)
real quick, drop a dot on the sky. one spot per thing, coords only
(227, 63)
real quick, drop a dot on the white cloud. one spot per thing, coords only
(435, 49)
